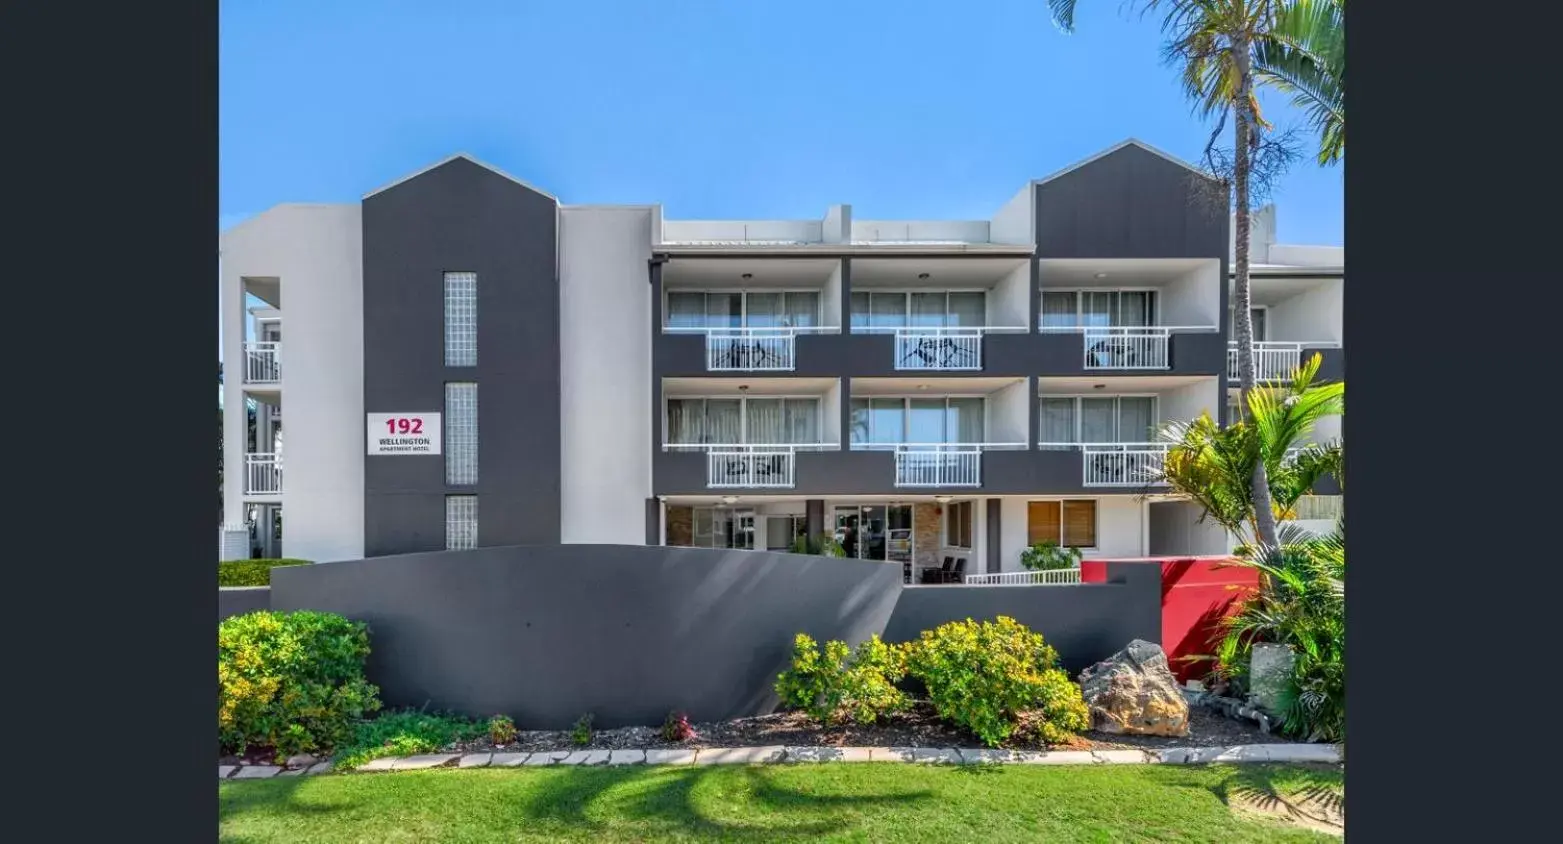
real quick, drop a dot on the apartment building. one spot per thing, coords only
(467, 362)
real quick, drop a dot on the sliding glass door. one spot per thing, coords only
(742, 309)
(886, 309)
(1099, 308)
(889, 421)
(756, 421)
(1068, 421)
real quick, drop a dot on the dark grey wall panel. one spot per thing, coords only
(232, 601)
(1131, 203)
(1332, 366)
(1086, 623)
(628, 633)
(462, 217)
(995, 529)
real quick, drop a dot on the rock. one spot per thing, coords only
(1133, 692)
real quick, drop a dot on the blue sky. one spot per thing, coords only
(909, 109)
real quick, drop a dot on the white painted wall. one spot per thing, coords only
(1181, 533)
(685, 231)
(604, 373)
(838, 224)
(1261, 233)
(830, 296)
(963, 231)
(1009, 303)
(1007, 419)
(1194, 298)
(1012, 223)
(830, 426)
(1189, 401)
(1307, 256)
(1314, 314)
(316, 252)
(1119, 527)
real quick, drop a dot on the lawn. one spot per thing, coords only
(814, 802)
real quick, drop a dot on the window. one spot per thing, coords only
(461, 522)
(461, 434)
(742, 309)
(1071, 524)
(957, 524)
(887, 421)
(1068, 421)
(1099, 308)
(886, 309)
(772, 421)
(461, 319)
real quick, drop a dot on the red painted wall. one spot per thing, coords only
(1196, 593)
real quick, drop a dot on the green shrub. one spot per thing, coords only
(995, 678)
(404, 733)
(1047, 556)
(251, 572)
(820, 545)
(501, 730)
(840, 685)
(581, 733)
(293, 682)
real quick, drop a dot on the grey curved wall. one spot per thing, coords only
(628, 632)
(546, 633)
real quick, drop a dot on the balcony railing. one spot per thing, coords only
(750, 467)
(1120, 464)
(1126, 347)
(263, 474)
(1049, 577)
(750, 349)
(922, 349)
(263, 362)
(1273, 360)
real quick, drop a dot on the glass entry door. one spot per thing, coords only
(875, 532)
(721, 528)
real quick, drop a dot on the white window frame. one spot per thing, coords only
(906, 305)
(1156, 319)
(1080, 417)
(906, 414)
(743, 306)
(1096, 519)
(743, 415)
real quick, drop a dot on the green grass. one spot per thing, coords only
(813, 802)
(405, 733)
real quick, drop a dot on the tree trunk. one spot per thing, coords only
(1264, 511)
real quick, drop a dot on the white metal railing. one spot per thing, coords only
(263, 474)
(938, 348)
(771, 349)
(262, 362)
(750, 467)
(930, 465)
(1122, 464)
(1272, 361)
(1126, 347)
(1047, 577)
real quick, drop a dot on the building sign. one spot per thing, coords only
(404, 433)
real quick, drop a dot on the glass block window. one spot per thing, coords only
(461, 522)
(461, 319)
(461, 434)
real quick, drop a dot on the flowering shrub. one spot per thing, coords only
(293, 682)
(839, 685)
(996, 678)
(678, 728)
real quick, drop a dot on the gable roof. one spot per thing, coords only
(448, 159)
(1118, 146)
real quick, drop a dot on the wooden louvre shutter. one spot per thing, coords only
(1080, 524)
(1042, 522)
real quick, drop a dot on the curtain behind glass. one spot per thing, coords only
(763, 421)
(802, 420)
(889, 420)
(926, 421)
(1058, 420)
(722, 422)
(887, 310)
(764, 310)
(860, 312)
(860, 421)
(1134, 308)
(686, 310)
(967, 310)
(1136, 415)
(1097, 308)
(1058, 310)
(724, 310)
(686, 420)
(927, 310)
(1098, 420)
(963, 421)
(801, 309)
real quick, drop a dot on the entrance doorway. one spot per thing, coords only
(876, 532)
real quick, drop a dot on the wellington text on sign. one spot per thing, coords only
(404, 433)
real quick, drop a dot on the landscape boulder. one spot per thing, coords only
(1133, 692)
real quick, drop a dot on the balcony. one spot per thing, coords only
(263, 473)
(263, 362)
(1275, 361)
(953, 465)
(751, 467)
(1122, 464)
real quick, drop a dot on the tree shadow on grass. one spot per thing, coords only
(663, 801)
(1278, 791)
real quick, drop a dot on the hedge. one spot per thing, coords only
(251, 572)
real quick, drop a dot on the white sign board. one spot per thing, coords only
(404, 433)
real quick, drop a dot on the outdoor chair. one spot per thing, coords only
(957, 574)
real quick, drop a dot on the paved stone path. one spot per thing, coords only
(777, 754)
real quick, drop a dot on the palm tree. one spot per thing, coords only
(1306, 57)
(1212, 465)
(1214, 43)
